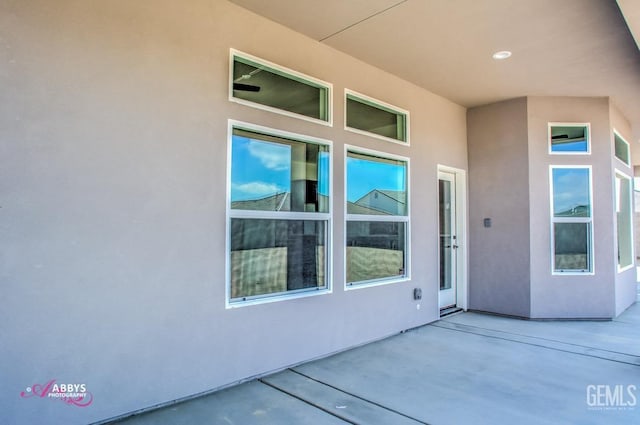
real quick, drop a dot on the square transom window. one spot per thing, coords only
(569, 139)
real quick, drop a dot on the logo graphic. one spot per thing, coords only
(71, 394)
(611, 397)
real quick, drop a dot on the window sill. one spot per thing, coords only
(266, 299)
(377, 282)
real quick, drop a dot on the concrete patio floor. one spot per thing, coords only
(465, 368)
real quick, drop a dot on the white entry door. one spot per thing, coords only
(448, 239)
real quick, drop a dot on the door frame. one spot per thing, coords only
(462, 260)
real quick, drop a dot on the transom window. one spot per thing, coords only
(278, 214)
(572, 219)
(621, 148)
(260, 83)
(569, 138)
(377, 218)
(376, 118)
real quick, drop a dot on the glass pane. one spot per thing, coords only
(446, 240)
(276, 256)
(571, 192)
(375, 250)
(569, 139)
(376, 186)
(621, 149)
(571, 246)
(261, 84)
(368, 116)
(274, 174)
(624, 227)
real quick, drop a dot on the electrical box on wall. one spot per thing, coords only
(417, 294)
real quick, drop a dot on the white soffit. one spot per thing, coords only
(631, 11)
(317, 19)
(560, 48)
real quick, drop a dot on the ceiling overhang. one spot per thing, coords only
(568, 48)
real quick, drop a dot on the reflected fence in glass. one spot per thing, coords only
(375, 250)
(277, 256)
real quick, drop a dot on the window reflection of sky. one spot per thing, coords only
(578, 146)
(260, 169)
(570, 190)
(363, 176)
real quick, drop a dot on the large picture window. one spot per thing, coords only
(572, 223)
(260, 83)
(278, 214)
(624, 223)
(377, 218)
(376, 118)
(569, 138)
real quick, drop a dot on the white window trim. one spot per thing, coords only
(282, 215)
(589, 219)
(383, 105)
(463, 254)
(569, 124)
(298, 75)
(616, 133)
(391, 218)
(620, 174)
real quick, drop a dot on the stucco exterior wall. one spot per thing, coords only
(625, 280)
(499, 190)
(581, 295)
(113, 133)
(509, 182)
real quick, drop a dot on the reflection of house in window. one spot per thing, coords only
(377, 218)
(375, 249)
(380, 202)
(577, 211)
(278, 217)
(277, 202)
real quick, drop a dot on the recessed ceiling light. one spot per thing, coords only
(503, 54)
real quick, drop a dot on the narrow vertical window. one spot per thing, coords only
(621, 149)
(572, 219)
(377, 218)
(624, 221)
(569, 138)
(278, 215)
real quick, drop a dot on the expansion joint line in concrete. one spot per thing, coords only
(359, 397)
(590, 351)
(331, 412)
(309, 402)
